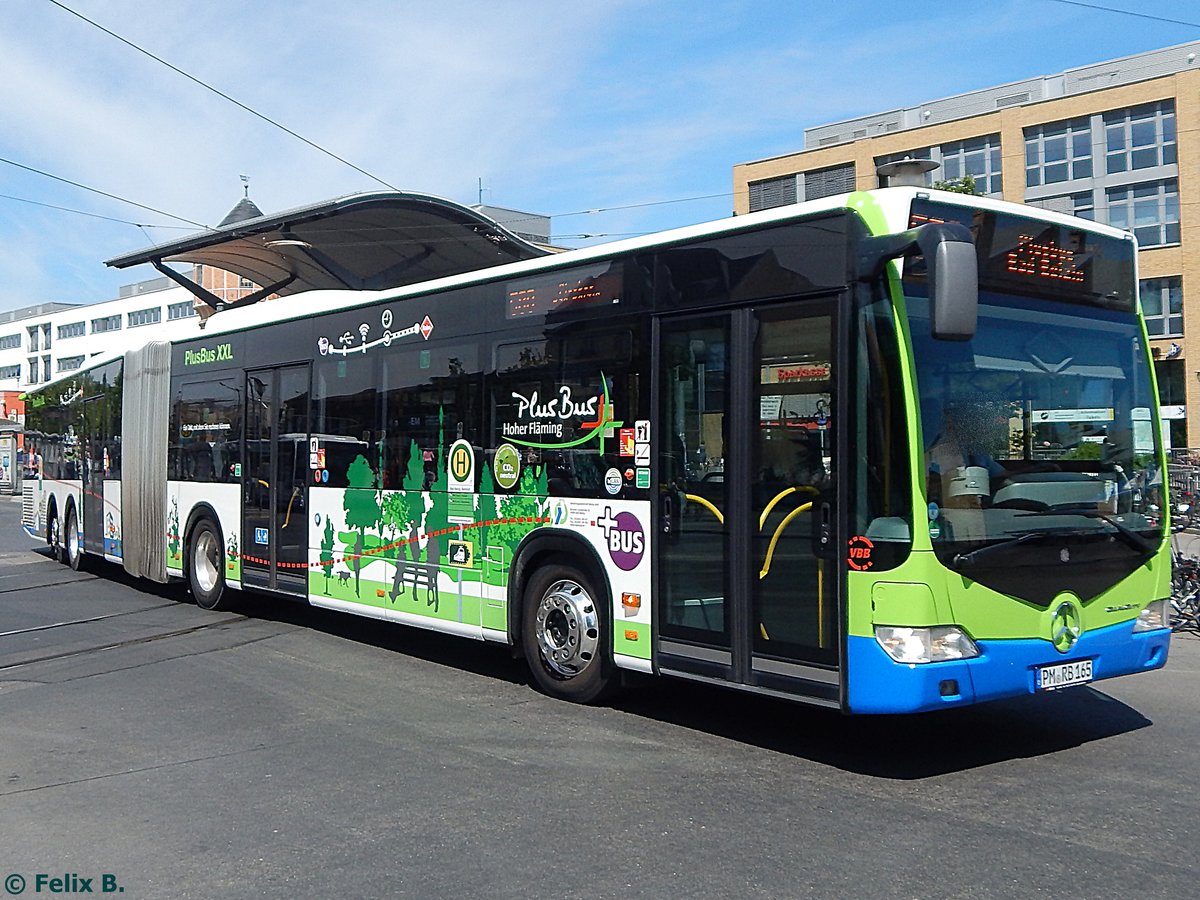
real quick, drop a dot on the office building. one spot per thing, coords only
(1116, 141)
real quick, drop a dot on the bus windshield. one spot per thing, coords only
(1037, 431)
(1040, 446)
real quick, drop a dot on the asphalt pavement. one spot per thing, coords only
(280, 751)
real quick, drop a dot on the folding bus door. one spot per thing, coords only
(275, 479)
(748, 588)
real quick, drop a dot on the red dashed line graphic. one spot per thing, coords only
(522, 520)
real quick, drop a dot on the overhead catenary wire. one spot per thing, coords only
(1127, 12)
(223, 95)
(85, 187)
(80, 212)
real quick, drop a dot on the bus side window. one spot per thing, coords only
(206, 432)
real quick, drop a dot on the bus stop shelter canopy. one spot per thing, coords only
(367, 242)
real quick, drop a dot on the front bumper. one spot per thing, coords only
(1005, 668)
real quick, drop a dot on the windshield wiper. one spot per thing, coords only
(1127, 535)
(964, 560)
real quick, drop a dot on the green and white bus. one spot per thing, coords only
(890, 451)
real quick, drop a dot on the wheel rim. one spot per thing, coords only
(55, 534)
(567, 628)
(206, 562)
(72, 538)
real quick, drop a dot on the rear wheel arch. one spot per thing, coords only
(198, 512)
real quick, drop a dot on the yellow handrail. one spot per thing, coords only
(288, 517)
(803, 489)
(775, 537)
(762, 520)
(716, 512)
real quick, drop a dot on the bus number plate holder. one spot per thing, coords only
(1051, 678)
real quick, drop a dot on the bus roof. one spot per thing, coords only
(305, 300)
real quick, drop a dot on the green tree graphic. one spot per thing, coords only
(361, 505)
(327, 551)
(438, 518)
(487, 505)
(526, 504)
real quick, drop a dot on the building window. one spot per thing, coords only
(75, 329)
(150, 316)
(34, 340)
(827, 182)
(108, 323)
(772, 192)
(47, 372)
(977, 157)
(183, 310)
(1150, 211)
(10, 371)
(10, 342)
(69, 363)
(1140, 138)
(1162, 305)
(1060, 151)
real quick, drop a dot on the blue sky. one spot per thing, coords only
(559, 107)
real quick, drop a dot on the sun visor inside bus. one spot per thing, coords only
(364, 242)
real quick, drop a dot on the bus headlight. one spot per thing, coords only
(1154, 616)
(923, 645)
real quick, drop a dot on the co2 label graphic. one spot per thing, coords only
(506, 466)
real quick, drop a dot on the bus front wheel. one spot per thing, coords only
(564, 632)
(206, 569)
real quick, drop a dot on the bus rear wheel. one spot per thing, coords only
(206, 565)
(563, 632)
(54, 536)
(70, 539)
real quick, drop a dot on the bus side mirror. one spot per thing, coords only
(953, 274)
(951, 270)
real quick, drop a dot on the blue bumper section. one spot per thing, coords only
(1004, 668)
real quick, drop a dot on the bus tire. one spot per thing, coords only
(565, 636)
(206, 565)
(72, 547)
(54, 536)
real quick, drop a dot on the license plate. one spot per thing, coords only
(1051, 678)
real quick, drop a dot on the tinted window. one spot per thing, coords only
(206, 431)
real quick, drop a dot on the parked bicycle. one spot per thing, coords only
(1185, 586)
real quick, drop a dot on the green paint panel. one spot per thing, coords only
(632, 639)
(952, 599)
(495, 616)
(377, 594)
(900, 603)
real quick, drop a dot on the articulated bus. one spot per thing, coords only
(886, 452)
